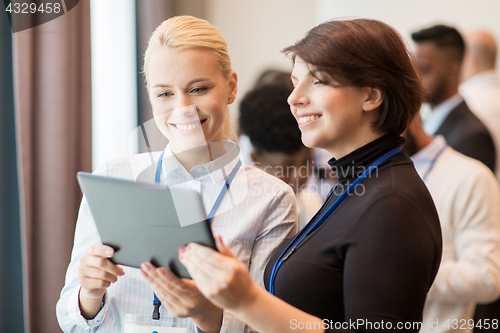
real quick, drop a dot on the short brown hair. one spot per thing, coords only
(367, 53)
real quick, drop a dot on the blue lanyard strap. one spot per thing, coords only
(327, 214)
(158, 169)
(431, 165)
(218, 201)
(229, 179)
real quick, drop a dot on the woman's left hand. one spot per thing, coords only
(220, 276)
(182, 298)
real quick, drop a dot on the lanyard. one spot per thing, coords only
(327, 214)
(229, 179)
(431, 165)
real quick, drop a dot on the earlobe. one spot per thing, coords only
(373, 99)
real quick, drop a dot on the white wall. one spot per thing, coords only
(256, 31)
(409, 16)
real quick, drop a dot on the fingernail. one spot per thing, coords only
(220, 239)
(160, 271)
(143, 273)
(109, 253)
(181, 252)
(145, 267)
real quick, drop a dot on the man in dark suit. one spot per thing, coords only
(440, 50)
(439, 53)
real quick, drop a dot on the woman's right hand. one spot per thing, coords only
(96, 273)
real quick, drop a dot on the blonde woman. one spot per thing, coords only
(190, 83)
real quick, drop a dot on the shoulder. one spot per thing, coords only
(398, 194)
(465, 119)
(454, 169)
(261, 182)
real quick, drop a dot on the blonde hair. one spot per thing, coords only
(181, 32)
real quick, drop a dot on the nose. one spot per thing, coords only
(182, 101)
(186, 112)
(298, 98)
(183, 107)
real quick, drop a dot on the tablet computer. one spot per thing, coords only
(146, 222)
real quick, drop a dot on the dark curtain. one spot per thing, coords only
(53, 112)
(149, 14)
(11, 278)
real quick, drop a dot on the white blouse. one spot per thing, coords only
(256, 215)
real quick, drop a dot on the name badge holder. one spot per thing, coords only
(146, 324)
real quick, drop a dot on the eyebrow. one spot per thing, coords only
(162, 85)
(316, 71)
(292, 77)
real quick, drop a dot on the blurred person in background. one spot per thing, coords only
(266, 119)
(481, 86)
(481, 90)
(467, 198)
(439, 53)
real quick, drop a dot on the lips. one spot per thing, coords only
(306, 119)
(187, 126)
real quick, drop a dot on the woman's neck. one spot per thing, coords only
(352, 165)
(199, 155)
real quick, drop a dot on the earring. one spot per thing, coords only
(230, 100)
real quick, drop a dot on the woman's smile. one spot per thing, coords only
(307, 119)
(187, 127)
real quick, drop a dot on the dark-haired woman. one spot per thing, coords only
(367, 259)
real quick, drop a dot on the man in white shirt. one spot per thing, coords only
(481, 86)
(439, 53)
(466, 196)
(481, 90)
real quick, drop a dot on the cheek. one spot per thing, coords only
(158, 107)
(215, 107)
(161, 123)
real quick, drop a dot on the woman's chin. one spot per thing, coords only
(311, 141)
(188, 146)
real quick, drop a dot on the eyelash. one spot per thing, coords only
(200, 89)
(164, 94)
(197, 90)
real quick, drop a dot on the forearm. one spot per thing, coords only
(266, 313)
(89, 306)
(210, 320)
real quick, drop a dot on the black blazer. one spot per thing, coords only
(465, 133)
